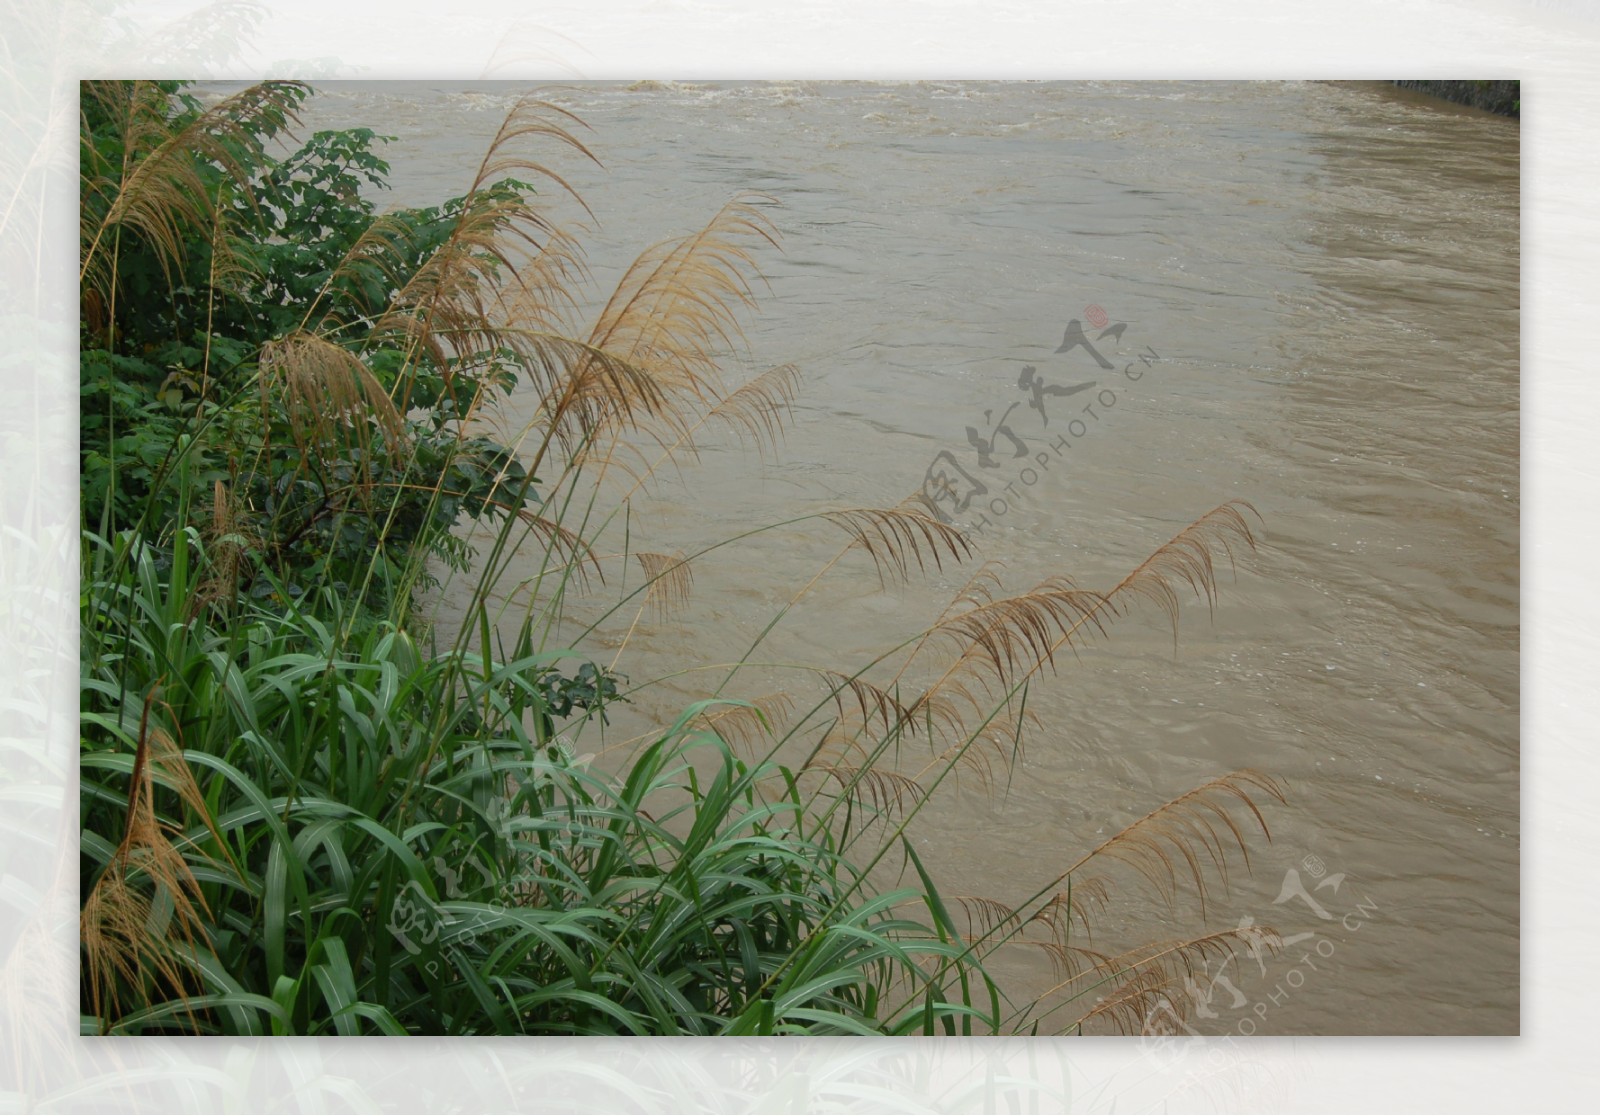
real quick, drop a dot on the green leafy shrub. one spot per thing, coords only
(259, 306)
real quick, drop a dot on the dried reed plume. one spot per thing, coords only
(159, 191)
(134, 932)
(744, 724)
(883, 790)
(1140, 983)
(1195, 830)
(671, 580)
(326, 389)
(759, 409)
(895, 537)
(228, 539)
(999, 643)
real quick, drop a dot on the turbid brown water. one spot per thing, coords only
(1324, 279)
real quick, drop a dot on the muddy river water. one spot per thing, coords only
(1317, 285)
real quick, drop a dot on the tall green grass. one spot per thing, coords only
(301, 815)
(368, 837)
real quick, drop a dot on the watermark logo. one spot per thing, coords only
(471, 885)
(1220, 1008)
(414, 919)
(978, 489)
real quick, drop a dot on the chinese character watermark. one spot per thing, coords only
(473, 882)
(963, 489)
(1218, 1006)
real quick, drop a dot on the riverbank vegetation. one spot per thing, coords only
(304, 811)
(1502, 97)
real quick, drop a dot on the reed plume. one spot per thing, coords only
(158, 189)
(146, 914)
